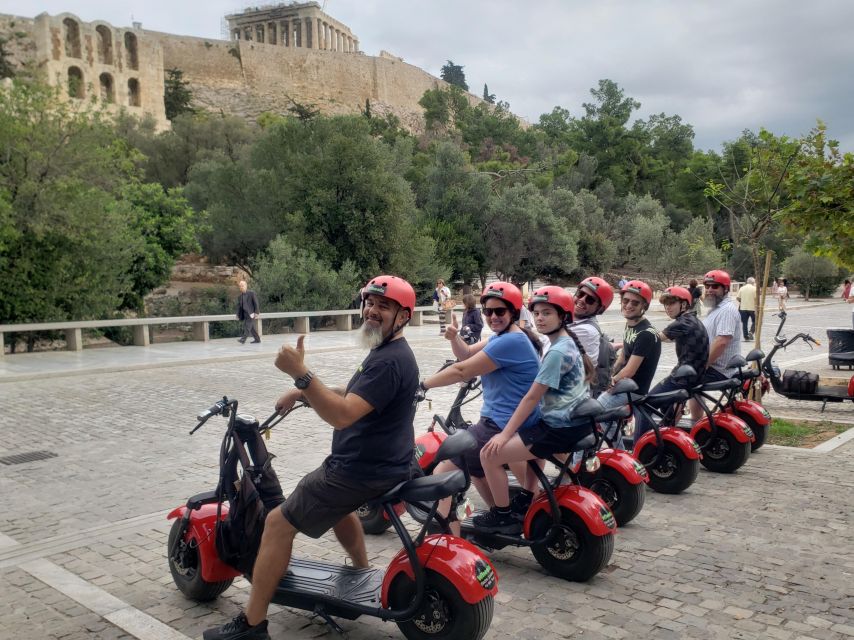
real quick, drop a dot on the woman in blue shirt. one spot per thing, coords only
(562, 382)
(507, 364)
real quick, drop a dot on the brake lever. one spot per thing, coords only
(276, 417)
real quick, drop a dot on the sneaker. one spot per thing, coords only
(520, 502)
(494, 522)
(255, 341)
(238, 629)
(241, 340)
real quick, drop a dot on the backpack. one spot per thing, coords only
(605, 363)
(251, 495)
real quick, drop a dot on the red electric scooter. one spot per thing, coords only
(437, 586)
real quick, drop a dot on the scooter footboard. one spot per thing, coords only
(202, 529)
(623, 463)
(727, 422)
(675, 436)
(455, 559)
(583, 502)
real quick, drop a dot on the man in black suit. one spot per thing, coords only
(247, 311)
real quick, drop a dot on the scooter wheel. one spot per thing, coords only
(624, 499)
(443, 612)
(759, 431)
(373, 519)
(575, 554)
(186, 570)
(723, 454)
(673, 472)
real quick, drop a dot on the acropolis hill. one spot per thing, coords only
(276, 54)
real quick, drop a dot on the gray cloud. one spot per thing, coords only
(723, 66)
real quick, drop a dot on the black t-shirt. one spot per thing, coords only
(692, 341)
(642, 340)
(380, 444)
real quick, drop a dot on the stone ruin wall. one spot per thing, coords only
(247, 78)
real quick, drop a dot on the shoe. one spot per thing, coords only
(520, 502)
(238, 629)
(255, 341)
(241, 340)
(494, 522)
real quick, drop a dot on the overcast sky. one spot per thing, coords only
(723, 66)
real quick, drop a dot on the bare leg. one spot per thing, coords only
(513, 451)
(695, 409)
(483, 489)
(270, 565)
(445, 503)
(349, 532)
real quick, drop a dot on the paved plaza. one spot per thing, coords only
(765, 553)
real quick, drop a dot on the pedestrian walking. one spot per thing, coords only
(247, 311)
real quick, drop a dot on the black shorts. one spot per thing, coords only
(323, 497)
(543, 440)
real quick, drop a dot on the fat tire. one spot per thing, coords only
(682, 478)
(194, 586)
(373, 520)
(738, 454)
(590, 558)
(465, 620)
(760, 431)
(629, 497)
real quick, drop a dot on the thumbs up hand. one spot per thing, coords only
(452, 329)
(290, 359)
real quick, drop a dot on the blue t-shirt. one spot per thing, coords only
(504, 388)
(562, 371)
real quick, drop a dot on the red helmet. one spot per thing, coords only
(717, 277)
(678, 292)
(640, 288)
(557, 296)
(601, 289)
(505, 291)
(393, 288)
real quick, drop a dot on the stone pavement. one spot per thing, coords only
(767, 552)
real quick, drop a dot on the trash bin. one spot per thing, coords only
(841, 347)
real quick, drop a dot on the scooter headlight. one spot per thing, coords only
(592, 464)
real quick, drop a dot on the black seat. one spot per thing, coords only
(428, 488)
(660, 400)
(618, 413)
(585, 443)
(736, 361)
(720, 385)
(625, 385)
(589, 408)
(455, 445)
(754, 355)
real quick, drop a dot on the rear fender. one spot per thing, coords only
(426, 447)
(727, 422)
(679, 438)
(752, 410)
(455, 559)
(623, 463)
(202, 529)
(582, 502)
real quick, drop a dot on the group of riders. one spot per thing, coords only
(530, 389)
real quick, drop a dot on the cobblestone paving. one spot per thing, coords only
(765, 553)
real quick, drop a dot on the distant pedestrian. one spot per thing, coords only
(746, 297)
(472, 320)
(247, 311)
(782, 294)
(441, 295)
(697, 297)
(621, 283)
(846, 290)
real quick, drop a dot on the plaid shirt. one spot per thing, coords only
(692, 341)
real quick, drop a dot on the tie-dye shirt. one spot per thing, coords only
(562, 370)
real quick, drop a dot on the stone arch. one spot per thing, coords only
(71, 31)
(105, 44)
(76, 87)
(134, 99)
(108, 91)
(131, 51)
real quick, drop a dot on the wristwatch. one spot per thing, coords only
(303, 381)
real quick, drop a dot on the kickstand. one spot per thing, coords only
(320, 613)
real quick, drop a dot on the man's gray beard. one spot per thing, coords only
(370, 338)
(712, 301)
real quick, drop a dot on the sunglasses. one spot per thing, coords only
(627, 302)
(498, 311)
(714, 285)
(580, 295)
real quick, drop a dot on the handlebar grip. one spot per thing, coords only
(216, 409)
